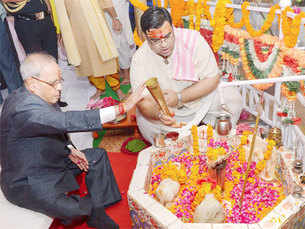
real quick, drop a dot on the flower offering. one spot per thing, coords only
(191, 171)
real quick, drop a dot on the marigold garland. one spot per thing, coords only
(231, 22)
(267, 24)
(274, 70)
(136, 38)
(194, 132)
(291, 27)
(138, 4)
(206, 10)
(199, 11)
(191, 12)
(218, 23)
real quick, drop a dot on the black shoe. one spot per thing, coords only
(62, 104)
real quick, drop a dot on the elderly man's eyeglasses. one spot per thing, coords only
(54, 84)
(158, 41)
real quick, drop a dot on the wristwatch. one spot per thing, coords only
(180, 103)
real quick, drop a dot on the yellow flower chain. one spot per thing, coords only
(267, 154)
(218, 23)
(159, 3)
(231, 22)
(267, 24)
(136, 38)
(223, 16)
(191, 12)
(138, 4)
(195, 137)
(199, 11)
(178, 9)
(206, 10)
(291, 27)
(209, 132)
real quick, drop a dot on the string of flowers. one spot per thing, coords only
(209, 132)
(267, 24)
(291, 27)
(294, 59)
(199, 11)
(218, 23)
(206, 10)
(231, 21)
(260, 166)
(224, 15)
(194, 132)
(138, 4)
(136, 38)
(252, 66)
(177, 11)
(191, 13)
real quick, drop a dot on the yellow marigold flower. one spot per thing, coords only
(269, 147)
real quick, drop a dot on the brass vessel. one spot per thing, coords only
(154, 88)
(276, 135)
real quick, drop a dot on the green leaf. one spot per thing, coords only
(135, 145)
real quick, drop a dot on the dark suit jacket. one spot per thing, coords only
(33, 151)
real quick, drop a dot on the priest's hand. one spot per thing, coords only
(79, 158)
(170, 120)
(171, 97)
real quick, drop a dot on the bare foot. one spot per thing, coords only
(97, 95)
(125, 75)
(121, 95)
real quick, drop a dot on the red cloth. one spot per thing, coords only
(119, 212)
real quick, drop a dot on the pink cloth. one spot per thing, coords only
(19, 48)
(185, 42)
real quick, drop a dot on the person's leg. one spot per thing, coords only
(1, 98)
(8, 65)
(100, 179)
(102, 187)
(28, 33)
(49, 37)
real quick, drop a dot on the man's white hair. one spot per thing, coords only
(34, 63)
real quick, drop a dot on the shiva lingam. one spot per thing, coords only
(217, 172)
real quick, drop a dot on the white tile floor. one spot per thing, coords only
(76, 92)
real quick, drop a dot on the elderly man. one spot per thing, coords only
(8, 67)
(187, 73)
(38, 162)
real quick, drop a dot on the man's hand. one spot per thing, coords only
(134, 98)
(79, 158)
(170, 121)
(171, 97)
(116, 25)
(167, 120)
